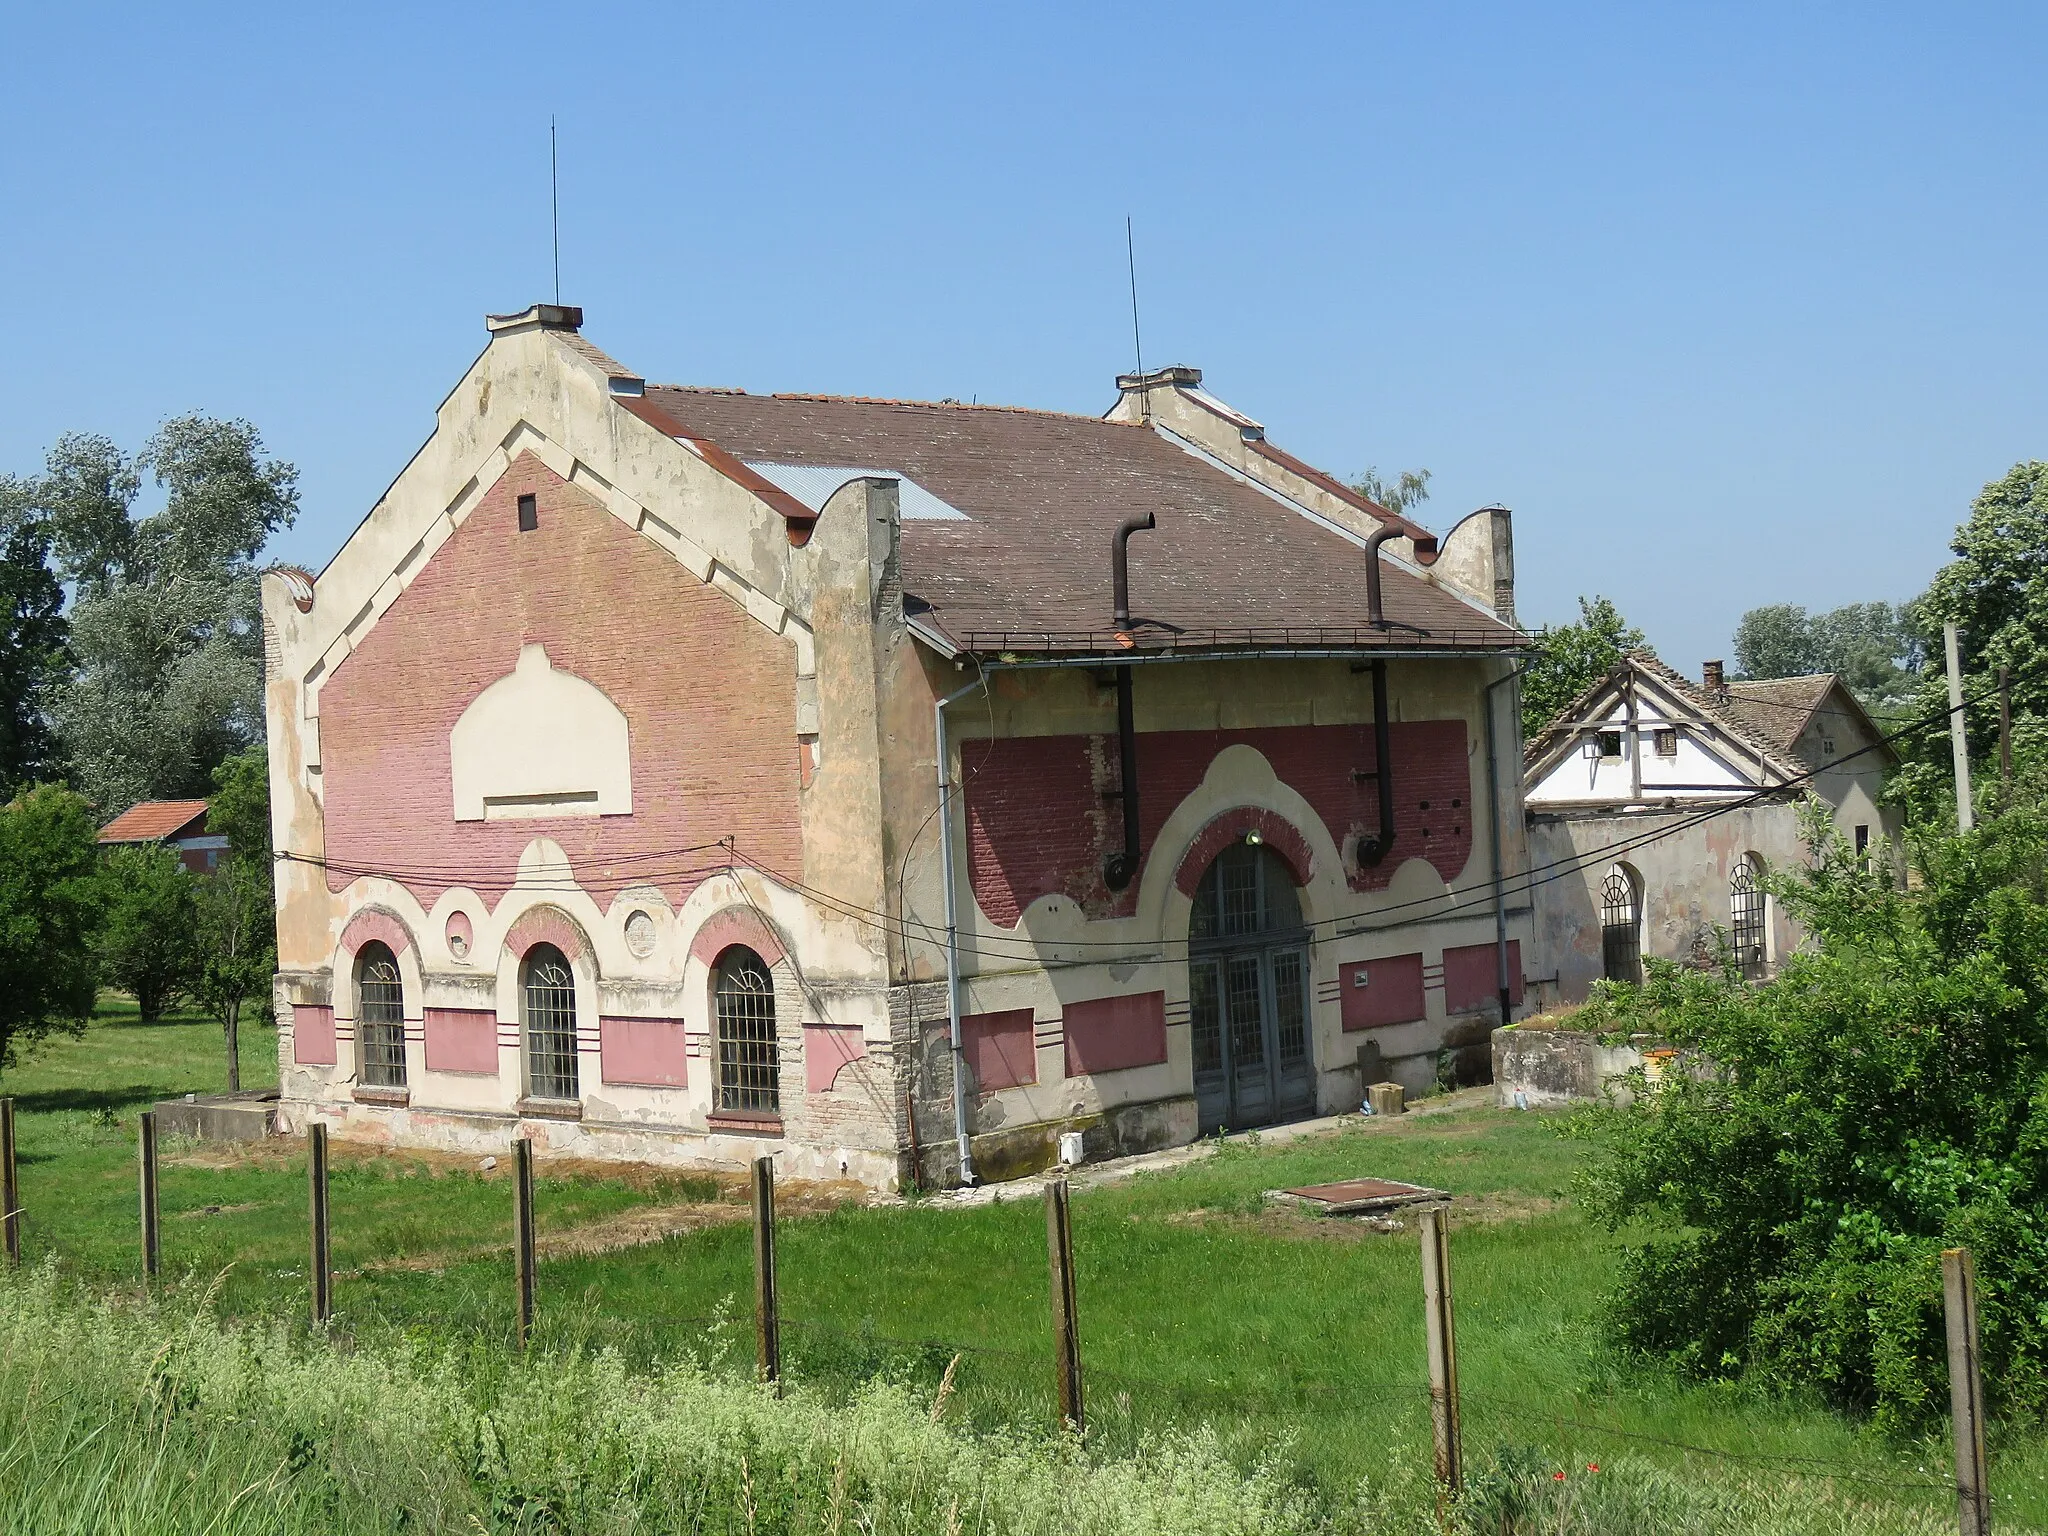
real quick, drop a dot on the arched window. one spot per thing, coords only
(548, 994)
(749, 1066)
(380, 1017)
(1621, 924)
(1748, 910)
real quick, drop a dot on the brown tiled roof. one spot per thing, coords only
(1778, 709)
(151, 821)
(1028, 569)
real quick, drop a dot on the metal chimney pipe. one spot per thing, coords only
(1120, 565)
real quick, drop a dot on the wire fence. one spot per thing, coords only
(1136, 1386)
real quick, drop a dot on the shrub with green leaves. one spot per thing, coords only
(1883, 1098)
(147, 937)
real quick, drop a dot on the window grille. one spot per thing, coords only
(550, 998)
(1621, 944)
(749, 1064)
(1746, 914)
(380, 1017)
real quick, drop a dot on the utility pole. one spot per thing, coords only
(1966, 816)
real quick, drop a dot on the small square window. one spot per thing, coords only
(1610, 743)
(1667, 743)
(529, 513)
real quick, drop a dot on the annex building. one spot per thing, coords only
(686, 774)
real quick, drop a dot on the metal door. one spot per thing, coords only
(1248, 994)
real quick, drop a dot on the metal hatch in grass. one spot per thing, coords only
(1357, 1197)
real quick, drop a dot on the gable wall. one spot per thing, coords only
(708, 695)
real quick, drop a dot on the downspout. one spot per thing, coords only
(1500, 900)
(1121, 867)
(953, 929)
(1373, 849)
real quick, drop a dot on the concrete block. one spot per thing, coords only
(1387, 1098)
(248, 1116)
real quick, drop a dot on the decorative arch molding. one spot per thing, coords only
(737, 925)
(375, 923)
(550, 925)
(1231, 826)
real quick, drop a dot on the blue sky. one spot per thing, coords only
(1732, 306)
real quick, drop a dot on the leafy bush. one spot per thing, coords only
(1885, 1097)
(50, 897)
(147, 943)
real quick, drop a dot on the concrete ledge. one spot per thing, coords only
(249, 1116)
(1540, 1068)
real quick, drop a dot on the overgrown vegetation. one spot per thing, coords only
(1570, 658)
(1884, 1097)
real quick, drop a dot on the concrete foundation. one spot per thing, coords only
(248, 1116)
(1535, 1068)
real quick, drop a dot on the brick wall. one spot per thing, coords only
(708, 694)
(1038, 823)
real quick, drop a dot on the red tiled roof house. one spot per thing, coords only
(687, 773)
(178, 824)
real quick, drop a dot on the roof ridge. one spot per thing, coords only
(929, 405)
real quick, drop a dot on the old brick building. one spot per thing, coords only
(684, 773)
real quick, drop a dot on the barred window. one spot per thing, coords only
(1747, 906)
(380, 1017)
(748, 1063)
(548, 994)
(1621, 917)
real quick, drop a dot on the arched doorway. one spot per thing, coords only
(1248, 987)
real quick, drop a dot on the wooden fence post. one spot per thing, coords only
(1066, 1333)
(1443, 1345)
(1965, 1391)
(150, 1249)
(323, 1268)
(10, 1186)
(522, 1233)
(767, 1305)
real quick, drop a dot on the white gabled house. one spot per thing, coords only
(1657, 804)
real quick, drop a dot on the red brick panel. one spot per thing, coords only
(370, 923)
(1472, 977)
(709, 697)
(1108, 1034)
(737, 925)
(1039, 821)
(1380, 992)
(546, 925)
(648, 1052)
(1001, 1049)
(462, 1040)
(827, 1048)
(313, 1035)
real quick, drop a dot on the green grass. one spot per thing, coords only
(1291, 1337)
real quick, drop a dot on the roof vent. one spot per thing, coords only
(536, 317)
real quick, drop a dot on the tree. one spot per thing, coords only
(1410, 490)
(50, 900)
(166, 625)
(1996, 590)
(32, 631)
(1884, 1097)
(148, 935)
(1872, 646)
(1570, 658)
(237, 903)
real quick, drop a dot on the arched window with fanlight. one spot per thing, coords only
(1749, 917)
(548, 1000)
(1621, 924)
(749, 1063)
(380, 1017)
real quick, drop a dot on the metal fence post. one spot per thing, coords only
(1443, 1345)
(1965, 1391)
(147, 1148)
(10, 1187)
(323, 1269)
(522, 1233)
(767, 1305)
(1066, 1333)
